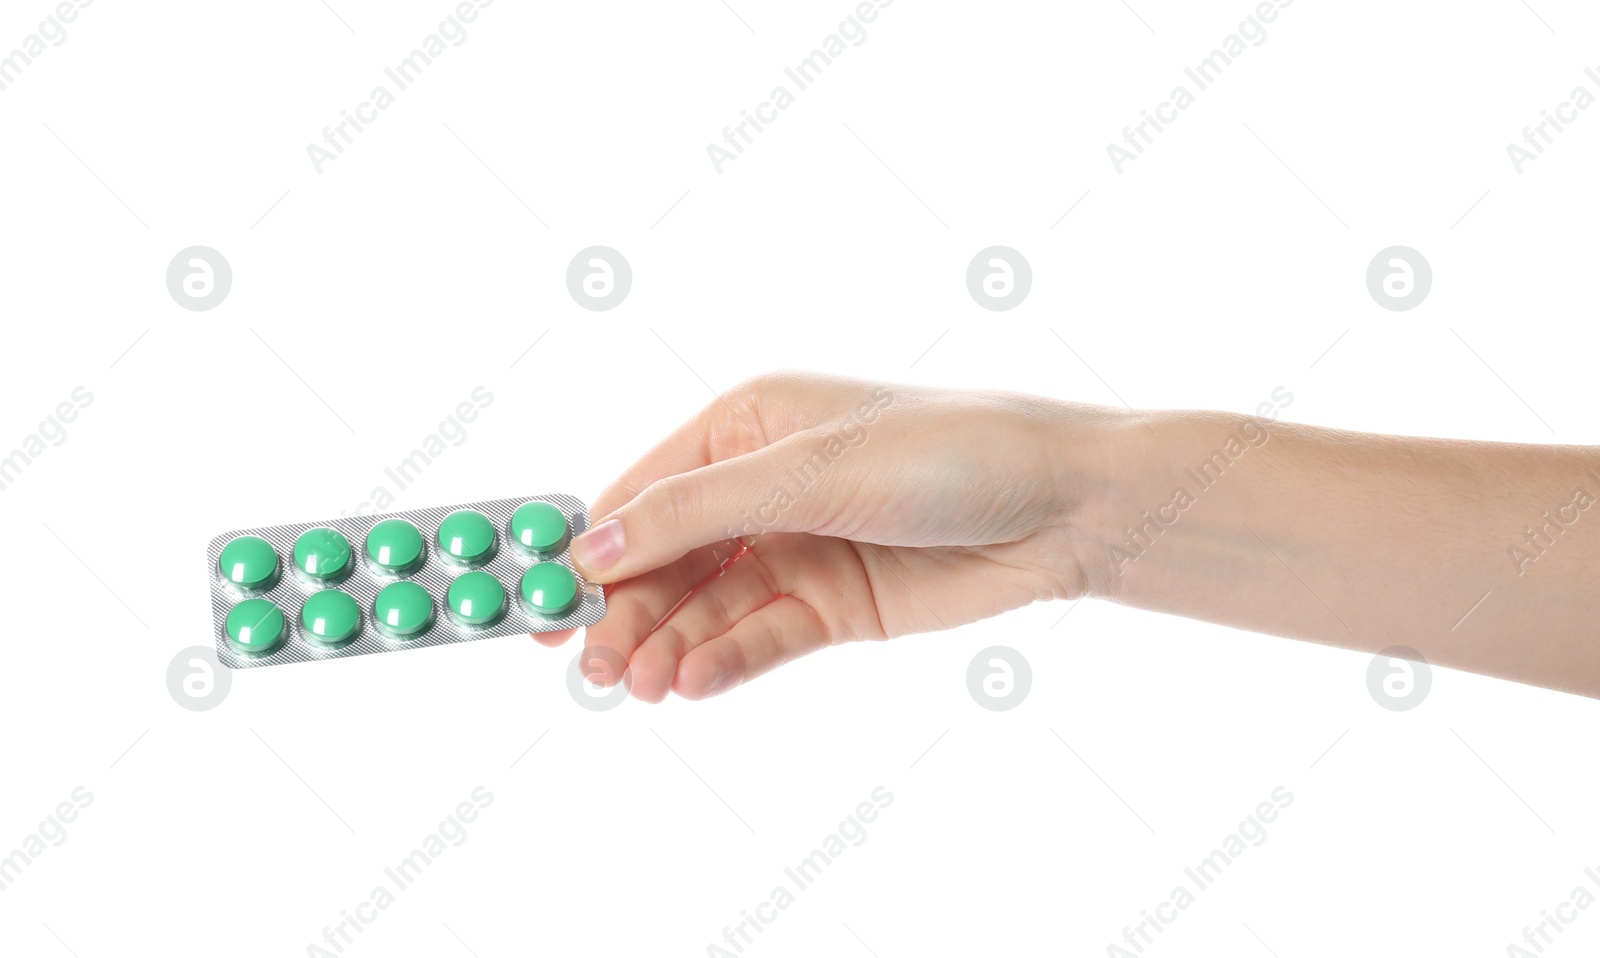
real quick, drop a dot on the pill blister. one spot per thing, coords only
(362, 584)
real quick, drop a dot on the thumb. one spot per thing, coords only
(773, 489)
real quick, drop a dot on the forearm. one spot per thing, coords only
(1357, 540)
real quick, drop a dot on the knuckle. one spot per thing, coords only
(768, 386)
(742, 393)
(618, 495)
(755, 385)
(675, 501)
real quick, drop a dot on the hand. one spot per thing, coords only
(870, 512)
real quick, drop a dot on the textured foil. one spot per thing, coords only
(365, 581)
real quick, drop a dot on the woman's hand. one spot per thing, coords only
(874, 511)
(869, 512)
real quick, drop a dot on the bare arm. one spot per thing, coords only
(1482, 556)
(867, 511)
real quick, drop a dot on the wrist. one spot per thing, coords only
(1172, 492)
(1101, 459)
(1112, 493)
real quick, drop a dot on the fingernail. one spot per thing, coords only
(598, 549)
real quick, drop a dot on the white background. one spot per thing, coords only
(407, 273)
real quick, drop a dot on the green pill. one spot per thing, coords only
(476, 598)
(249, 562)
(538, 528)
(255, 625)
(322, 554)
(403, 609)
(395, 545)
(549, 588)
(331, 617)
(467, 536)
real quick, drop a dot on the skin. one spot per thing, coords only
(940, 507)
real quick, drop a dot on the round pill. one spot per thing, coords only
(538, 528)
(395, 545)
(331, 617)
(466, 535)
(403, 608)
(476, 598)
(322, 553)
(249, 562)
(255, 625)
(549, 588)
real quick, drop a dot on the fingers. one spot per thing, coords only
(553, 639)
(700, 627)
(751, 415)
(781, 631)
(729, 425)
(685, 449)
(634, 607)
(719, 604)
(684, 511)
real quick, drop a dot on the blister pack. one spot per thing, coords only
(363, 584)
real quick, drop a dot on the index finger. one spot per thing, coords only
(724, 428)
